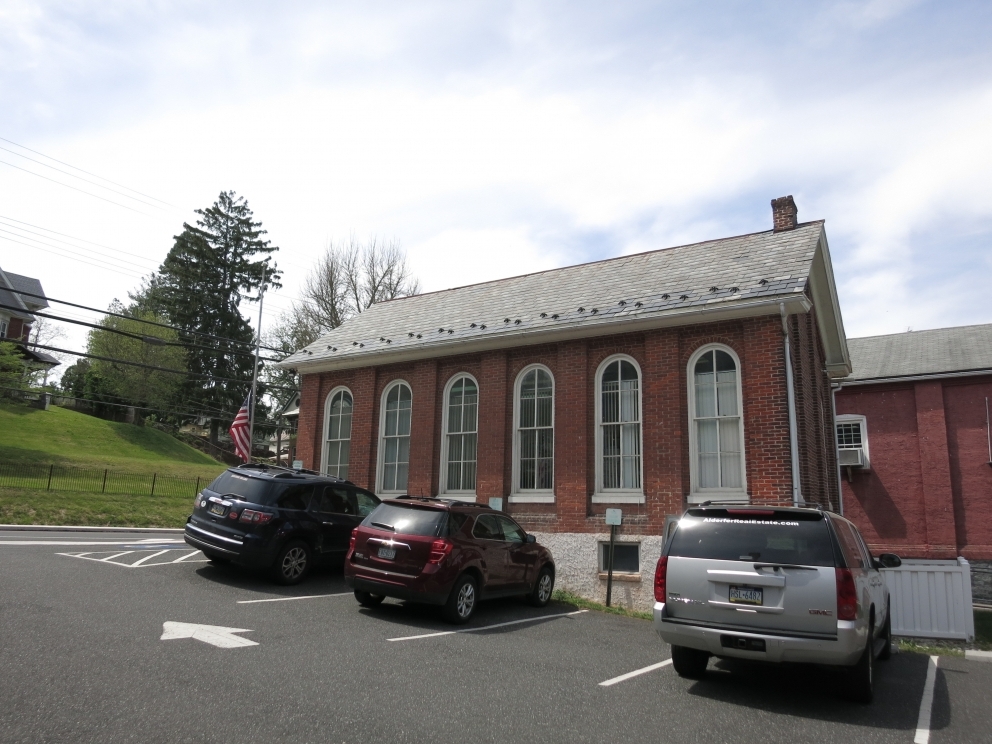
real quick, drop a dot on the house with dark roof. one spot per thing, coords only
(20, 298)
(643, 383)
(915, 445)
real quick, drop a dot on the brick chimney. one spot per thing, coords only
(784, 214)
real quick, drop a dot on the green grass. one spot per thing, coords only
(64, 437)
(566, 597)
(25, 506)
(983, 640)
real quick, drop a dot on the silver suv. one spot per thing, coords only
(773, 584)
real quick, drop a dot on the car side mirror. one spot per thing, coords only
(889, 560)
(531, 539)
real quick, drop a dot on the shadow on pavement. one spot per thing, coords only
(808, 691)
(321, 580)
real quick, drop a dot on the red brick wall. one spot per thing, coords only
(929, 490)
(663, 356)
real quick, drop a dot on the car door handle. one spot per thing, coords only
(328, 524)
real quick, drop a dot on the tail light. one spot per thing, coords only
(351, 542)
(661, 579)
(249, 516)
(439, 551)
(847, 595)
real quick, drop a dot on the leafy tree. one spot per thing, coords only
(211, 269)
(11, 367)
(131, 340)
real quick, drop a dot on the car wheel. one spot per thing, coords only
(689, 662)
(367, 599)
(861, 677)
(216, 558)
(543, 588)
(462, 601)
(293, 563)
(887, 637)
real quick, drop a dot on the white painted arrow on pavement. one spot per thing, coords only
(215, 635)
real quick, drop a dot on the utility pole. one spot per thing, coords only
(254, 374)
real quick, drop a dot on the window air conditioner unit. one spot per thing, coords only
(852, 457)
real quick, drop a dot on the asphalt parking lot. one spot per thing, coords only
(101, 642)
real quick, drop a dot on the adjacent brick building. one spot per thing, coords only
(913, 419)
(645, 383)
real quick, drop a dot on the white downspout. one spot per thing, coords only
(833, 412)
(797, 495)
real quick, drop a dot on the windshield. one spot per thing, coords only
(739, 535)
(253, 490)
(406, 520)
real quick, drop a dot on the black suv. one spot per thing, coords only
(275, 518)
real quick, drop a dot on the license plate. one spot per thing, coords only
(746, 595)
(216, 509)
(387, 553)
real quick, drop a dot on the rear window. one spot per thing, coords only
(407, 520)
(795, 538)
(253, 490)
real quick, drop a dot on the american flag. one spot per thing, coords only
(239, 431)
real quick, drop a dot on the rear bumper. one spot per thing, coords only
(237, 552)
(424, 588)
(844, 649)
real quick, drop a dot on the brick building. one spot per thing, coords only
(913, 424)
(646, 383)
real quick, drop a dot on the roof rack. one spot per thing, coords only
(437, 500)
(264, 466)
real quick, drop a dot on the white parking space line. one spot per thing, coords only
(635, 673)
(148, 558)
(926, 704)
(184, 557)
(70, 543)
(487, 627)
(109, 557)
(290, 599)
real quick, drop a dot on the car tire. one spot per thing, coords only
(368, 599)
(861, 677)
(886, 652)
(543, 588)
(293, 563)
(689, 662)
(462, 600)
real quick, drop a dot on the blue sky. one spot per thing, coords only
(493, 139)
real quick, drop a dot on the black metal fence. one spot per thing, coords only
(95, 480)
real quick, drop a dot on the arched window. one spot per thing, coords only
(618, 428)
(534, 443)
(460, 424)
(717, 428)
(337, 433)
(394, 438)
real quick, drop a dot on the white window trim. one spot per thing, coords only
(459, 495)
(616, 495)
(327, 424)
(698, 495)
(530, 495)
(382, 429)
(854, 418)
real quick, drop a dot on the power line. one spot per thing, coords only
(61, 248)
(154, 367)
(85, 180)
(71, 258)
(88, 173)
(152, 340)
(74, 188)
(149, 322)
(73, 237)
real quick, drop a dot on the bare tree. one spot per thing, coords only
(375, 272)
(46, 332)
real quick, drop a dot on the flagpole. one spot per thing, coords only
(254, 374)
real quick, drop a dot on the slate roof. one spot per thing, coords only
(729, 272)
(9, 281)
(942, 350)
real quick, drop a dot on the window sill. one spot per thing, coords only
(620, 576)
(466, 497)
(532, 498)
(622, 497)
(734, 497)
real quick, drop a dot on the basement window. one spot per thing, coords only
(626, 558)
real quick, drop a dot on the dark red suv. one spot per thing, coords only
(448, 553)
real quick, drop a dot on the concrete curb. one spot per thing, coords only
(978, 655)
(70, 528)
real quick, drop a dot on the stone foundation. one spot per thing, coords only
(577, 563)
(981, 581)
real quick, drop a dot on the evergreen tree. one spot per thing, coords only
(211, 269)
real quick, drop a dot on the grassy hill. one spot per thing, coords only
(64, 437)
